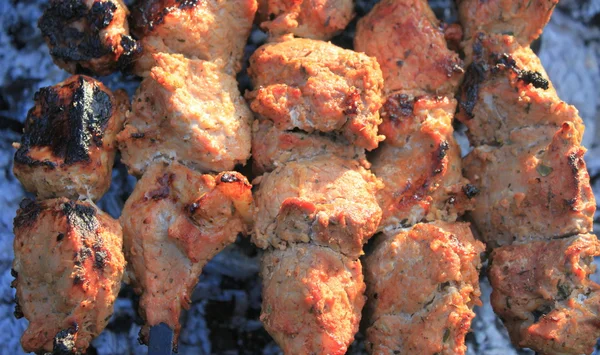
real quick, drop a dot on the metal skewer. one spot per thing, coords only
(161, 340)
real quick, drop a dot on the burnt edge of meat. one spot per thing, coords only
(534, 78)
(64, 341)
(397, 106)
(351, 102)
(68, 119)
(226, 177)
(469, 89)
(147, 14)
(439, 156)
(131, 50)
(28, 212)
(164, 187)
(82, 218)
(506, 61)
(66, 41)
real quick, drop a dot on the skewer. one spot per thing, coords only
(161, 340)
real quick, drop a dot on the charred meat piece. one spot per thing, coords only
(422, 284)
(312, 299)
(174, 222)
(211, 30)
(536, 186)
(327, 201)
(420, 163)
(68, 267)
(187, 111)
(523, 19)
(409, 44)
(316, 19)
(506, 88)
(315, 86)
(69, 142)
(88, 36)
(272, 148)
(543, 292)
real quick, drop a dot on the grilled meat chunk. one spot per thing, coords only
(68, 267)
(174, 222)
(523, 19)
(543, 292)
(88, 36)
(187, 111)
(506, 88)
(327, 201)
(272, 148)
(316, 19)
(315, 86)
(422, 284)
(211, 30)
(312, 299)
(409, 44)
(69, 142)
(420, 163)
(536, 186)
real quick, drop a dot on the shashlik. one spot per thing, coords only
(421, 277)
(536, 204)
(187, 118)
(314, 209)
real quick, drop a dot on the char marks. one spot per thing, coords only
(68, 119)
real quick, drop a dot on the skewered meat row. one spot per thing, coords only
(187, 118)
(68, 254)
(422, 275)
(536, 206)
(88, 36)
(315, 202)
(68, 267)
(73, 128)
(212, 30)
(69, 142)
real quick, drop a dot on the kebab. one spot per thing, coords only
(422, 275)
(536, 207)
(68, 261)
(188, 127)
(316, 107)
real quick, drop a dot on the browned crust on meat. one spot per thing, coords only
(543, 293)
(315, 86)
(422, 284)
(312, 299)
(410, 46)
(532, 188)
(68, 267)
